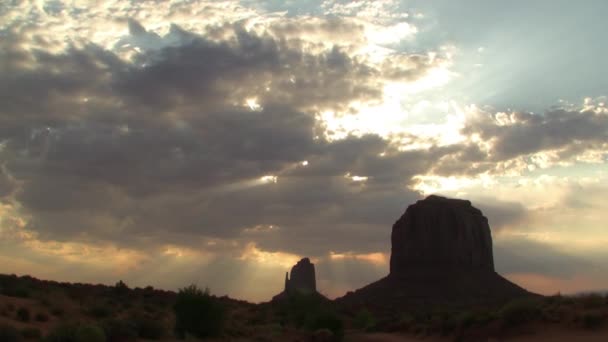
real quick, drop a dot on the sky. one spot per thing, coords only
(166, 143)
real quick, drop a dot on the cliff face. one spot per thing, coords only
(441, 234)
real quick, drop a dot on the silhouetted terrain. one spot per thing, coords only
(442, 286)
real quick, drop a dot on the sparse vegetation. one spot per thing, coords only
(197, 313)
(118, 330)
(327, 320)
(23, 314)
(592, 319)
(76, 332)
(148, 327)
(364, 320)
(31, 333)
(41, 317)
(99, 311)
(121, 288)
(145, 314)
(592, 300)
(57, 311)
(520, 311)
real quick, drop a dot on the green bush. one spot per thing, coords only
(9, 333)
(31, 333)
(327, 320)
(45, 301)
(197, 313)
(298, 307)
(465, 319)
(520, 311)
(121, 288)
(20, 292)
(592, 320)
(364, 320)
(76, 332)
(99, 311)
(148, 328)
(117, 330)
(592, 301)
(23, 314)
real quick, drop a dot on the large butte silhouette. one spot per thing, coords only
(441, 255)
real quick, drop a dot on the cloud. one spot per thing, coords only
(165, 149)
(518, 134)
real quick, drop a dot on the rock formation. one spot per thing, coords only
(441, 254)
(441, 233)
(300, 280)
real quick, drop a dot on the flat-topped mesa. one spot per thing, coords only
(302, 278)
(440, 234)
(441, 256)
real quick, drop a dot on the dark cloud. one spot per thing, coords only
(7, 184)
(531, 133)
(164, 150)
(208, 73)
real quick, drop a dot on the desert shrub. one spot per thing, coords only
(41, 317)
(121, 288)
(16, 291)
(406, 321)
(76, 332)
(99, 311)
(520, 311)
(591, 301)
(327, 320)
(465, 319)
(44, 301)
(592, 320)
(117, 330)
(197, 313)
(148, 328)
(23, 314)
(149, 308)
(148, 291)
(57, 311)
(9, 333)
(31, 333)
(364, 320)
(298, 307)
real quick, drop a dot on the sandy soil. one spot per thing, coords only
(544, 334)
(561, 335)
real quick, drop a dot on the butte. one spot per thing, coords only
(441, 256)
